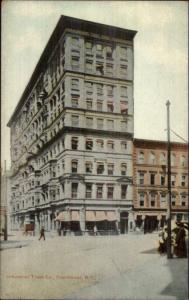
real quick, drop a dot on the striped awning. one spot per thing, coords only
(75, 215)
(90, 216)
(100, 216)
(60, 217)
(111, 216)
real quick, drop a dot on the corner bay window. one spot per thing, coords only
(74, 189)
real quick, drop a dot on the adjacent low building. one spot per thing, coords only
(150, 183)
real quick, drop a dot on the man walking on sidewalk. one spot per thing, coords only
(42, 234)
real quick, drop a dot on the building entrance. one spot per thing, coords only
(150, 224)
(123, 222)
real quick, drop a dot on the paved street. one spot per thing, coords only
(107, 267)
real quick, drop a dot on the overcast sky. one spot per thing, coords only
(160, 55)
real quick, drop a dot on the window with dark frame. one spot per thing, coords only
(74, 189)
(88, 144)
(88, 193)
(74, 166)
(99, 191)
(123, 191)
(74, 143)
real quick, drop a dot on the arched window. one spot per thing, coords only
(173, 159)
(162, 159)
(183, 161)
(152, 158)
(141, 157)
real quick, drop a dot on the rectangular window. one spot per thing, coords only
(173, 200)
(123, 52)
(99, 105)
(183, 200)
(110, 192)
(75, 84)
(89, 87)
(100, 168)
(123, 125)
(124, 107)
(99, 50)
(99, 88)
(74, 189)
(100, 123)
(89, 66)
(152, 179)
(89, 104)
(123, 169)
(75, 101)
(140, 178)
(75, 120)
(88, 45)
(75, 40)
(89, 144)
(88, 190)
(109, 52)
(89, 122)
(74, 143)
(123, 70)
(110, 169)
(110, 89)
(74, 166)
(183, 180)
(123, 145)
(162, 200)
(123, 91)
(109, 68)
(152, 200)
(99, 191)
(99, 68)
(123, 191)
(110, 106)
(100, 144)
(110, 124)
(173, 179)
(75, 61)
(110, 145)
(88, 167)
(162, 180)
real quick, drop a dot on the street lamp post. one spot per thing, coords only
(169, 254)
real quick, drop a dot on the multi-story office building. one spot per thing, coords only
(72, 131)
(150, 183)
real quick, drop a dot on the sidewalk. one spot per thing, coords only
(159, 279)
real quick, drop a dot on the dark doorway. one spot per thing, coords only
(150, 224)
(123, 222)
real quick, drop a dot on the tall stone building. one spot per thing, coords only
(72, 131)
(150, 183)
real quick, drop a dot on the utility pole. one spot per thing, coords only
(169, 254)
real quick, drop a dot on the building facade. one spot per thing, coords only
(72, 132)
(150, 183)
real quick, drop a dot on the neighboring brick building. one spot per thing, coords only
(150, 182)
(72, 131)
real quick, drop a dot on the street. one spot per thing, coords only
(88, 267)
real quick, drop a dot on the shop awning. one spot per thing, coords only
(111, 216)
(60, 217)
(90, 216)
(100, 216)
(75, 215)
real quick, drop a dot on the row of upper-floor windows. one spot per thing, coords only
(153, 158)
(161, 179)
(88, 167)
(154, 199)
(98, 191)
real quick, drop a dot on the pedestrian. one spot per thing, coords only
(95, 230)
(42, 234)
(180, 242)
(163, 241)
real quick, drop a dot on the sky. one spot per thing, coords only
(160, 56)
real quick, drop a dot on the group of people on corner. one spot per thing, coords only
(178, 240)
